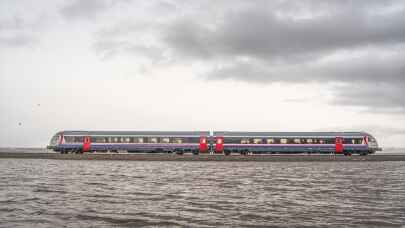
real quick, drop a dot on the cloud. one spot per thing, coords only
(376, 97)
(355, 47)
(17, 32)
(85, 9)
(264, 33)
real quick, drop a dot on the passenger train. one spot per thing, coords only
(227, 142)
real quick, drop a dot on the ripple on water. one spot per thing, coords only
(49, 193)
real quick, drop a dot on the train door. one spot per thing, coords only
(86, 144)
(203, 144)
(219, 144)
(339, 145)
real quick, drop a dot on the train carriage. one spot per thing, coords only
(295, 142)
(226, 142)
(130, 141)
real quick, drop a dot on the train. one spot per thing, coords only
(216, 142)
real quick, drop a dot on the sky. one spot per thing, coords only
(299, 65)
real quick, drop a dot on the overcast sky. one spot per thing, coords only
(300, 65)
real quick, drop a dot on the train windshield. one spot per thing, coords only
(54, 140)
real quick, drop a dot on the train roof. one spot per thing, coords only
(289, 134)
(124, 133)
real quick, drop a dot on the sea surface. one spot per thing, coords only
(65, 193)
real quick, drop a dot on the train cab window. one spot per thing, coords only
(310, 141)
(165, 140)
(270, 141)
(244, 141)
(153, 140)
(297, 141)
(283, 141)
(257, 141)
(177, 140)
(55, 140)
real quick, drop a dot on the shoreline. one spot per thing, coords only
(205, 157)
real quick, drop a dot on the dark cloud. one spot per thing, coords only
(263, 33)
(370, 67)
(359, 44)
(376, 97)
(271, 44)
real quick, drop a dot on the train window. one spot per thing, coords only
(98, 139)
(127, 140)
(138, 140)
(244, 141)
(297, 141)
(310, 141)
(283, 141)
(329, 141)
(321, 141)
(357, 141)
(69, 139)
(177, 140)
(193, 139)
(270, 141)
(165, 140)
(232, 140)
(78, 139)
(153, 140)
(115, 139)
(257, 141)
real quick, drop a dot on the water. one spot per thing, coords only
(54, 193)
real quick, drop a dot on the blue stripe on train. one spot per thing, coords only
(130, 146)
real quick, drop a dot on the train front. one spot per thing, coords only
(54, 143)
(372, 144)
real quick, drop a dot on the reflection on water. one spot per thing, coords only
(53, 193)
